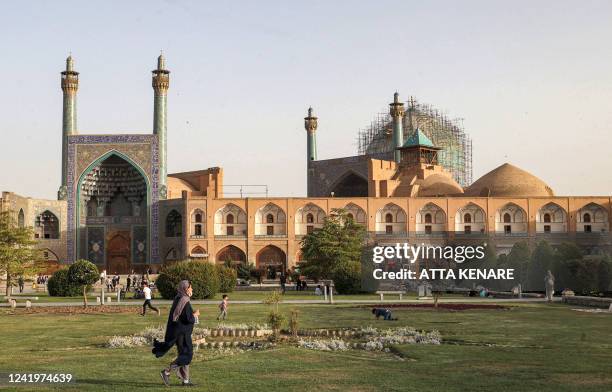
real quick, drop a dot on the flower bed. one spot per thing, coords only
(375, 339)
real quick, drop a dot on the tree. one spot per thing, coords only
(245, 270)
(83, 273)
(568, 255)
(17, 255)
(542, 260)
(275, 318)
(519, 258)
(334, 251)
(604, 274)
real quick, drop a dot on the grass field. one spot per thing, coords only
(531, 347)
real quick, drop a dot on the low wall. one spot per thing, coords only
(595, 302)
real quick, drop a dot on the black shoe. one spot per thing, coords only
(188, 384)
(165, 377)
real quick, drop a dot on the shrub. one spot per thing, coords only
(227, 278)
(245, 270)
(275, 320)
(83, 273)
(59, 285)
(347, 278)
(202, 275)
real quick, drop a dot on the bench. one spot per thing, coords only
(382, 294)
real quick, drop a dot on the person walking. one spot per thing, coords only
(129, 283)
(223, 308)
(283, 282)
(147, 295)
(178, 332)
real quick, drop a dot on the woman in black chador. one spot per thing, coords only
(178, 332)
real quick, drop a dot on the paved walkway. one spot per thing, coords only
(21, 303)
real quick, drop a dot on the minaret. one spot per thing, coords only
(70, 85)
(310, 124)
(161, 82)
(396, 109)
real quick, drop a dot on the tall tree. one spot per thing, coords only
(17, 254)
(519, 258)
(334, 251)
(542, 260)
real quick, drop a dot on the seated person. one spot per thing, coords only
(384, 313)
(318, 290)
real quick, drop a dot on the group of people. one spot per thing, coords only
(133, 281)
(42, 279)
(111, 283)
(300, 283)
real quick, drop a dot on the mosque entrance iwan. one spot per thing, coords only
(118, 251)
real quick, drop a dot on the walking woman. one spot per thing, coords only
(178, 332)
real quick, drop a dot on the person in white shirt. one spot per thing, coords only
(147, 294)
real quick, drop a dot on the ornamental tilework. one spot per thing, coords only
(83, 150)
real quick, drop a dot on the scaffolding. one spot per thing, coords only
(449, 134)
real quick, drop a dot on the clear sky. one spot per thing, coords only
(531, 79)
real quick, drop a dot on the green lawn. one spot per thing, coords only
(532, 347)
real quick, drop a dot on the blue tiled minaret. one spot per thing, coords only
(310, 124)
(70, 85)
(161, 83)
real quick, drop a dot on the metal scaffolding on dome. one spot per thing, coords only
(443, 131)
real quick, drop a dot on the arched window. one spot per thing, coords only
(47, 226)
(230, 219)
(269, 218)
(507, 218)
(21, 219)
(427, 218)
(586, 218)
(92, 207)
(198, 218)
(174, 224)
(198, 252)
(231, 254)
(197, 230)
(389, 218)
(467, 218)
(350, 216)
(309, 218)
(547, 218)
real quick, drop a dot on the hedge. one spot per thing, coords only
(203, 276)
(59, 285)
(227, 278)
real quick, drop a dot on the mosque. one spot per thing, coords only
(118, 207)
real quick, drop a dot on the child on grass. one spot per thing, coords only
(223, 308)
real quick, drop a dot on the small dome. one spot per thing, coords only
(439, 185)
(509, 181)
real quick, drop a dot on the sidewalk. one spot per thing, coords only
(21, 304)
